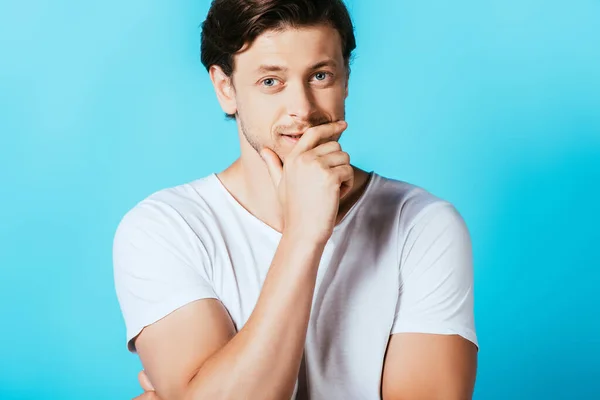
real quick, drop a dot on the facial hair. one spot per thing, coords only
(249, 138)
(317, 119)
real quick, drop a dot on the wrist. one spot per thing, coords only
(308, 240)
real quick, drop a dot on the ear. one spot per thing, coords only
(224, 89)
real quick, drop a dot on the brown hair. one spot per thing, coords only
(230, 24)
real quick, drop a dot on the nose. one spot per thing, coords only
(300, 102)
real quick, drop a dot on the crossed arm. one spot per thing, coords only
(194, 352)
(417, 366)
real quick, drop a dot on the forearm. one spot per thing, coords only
(263, 359)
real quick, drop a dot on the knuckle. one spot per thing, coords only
(344, 173)
(336, 146)
(321, 165)
(331, 178)
(304, 158)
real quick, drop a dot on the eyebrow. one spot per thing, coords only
(278, 68)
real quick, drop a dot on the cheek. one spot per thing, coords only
(249, 107)
(336, 97)
(260, 108)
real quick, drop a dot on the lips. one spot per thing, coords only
(295, 135)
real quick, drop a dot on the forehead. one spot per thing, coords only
(293, 48)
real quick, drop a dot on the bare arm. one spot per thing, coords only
(193, 353)
(189, 353)
(429, 366)
(432, 353)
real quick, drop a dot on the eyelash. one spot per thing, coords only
(329, 74)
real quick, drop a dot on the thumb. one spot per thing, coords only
(273, 165)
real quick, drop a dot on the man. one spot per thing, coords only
(293, 274)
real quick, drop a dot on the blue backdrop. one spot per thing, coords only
(493, 105)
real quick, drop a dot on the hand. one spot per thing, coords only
(313, 180)
(149, 393)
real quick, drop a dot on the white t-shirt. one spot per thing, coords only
(399, 261)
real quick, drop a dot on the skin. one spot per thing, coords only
(301, 189)
(268, 103)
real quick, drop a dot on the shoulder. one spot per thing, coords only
(410, 202)
(415, 212)
(174, 212)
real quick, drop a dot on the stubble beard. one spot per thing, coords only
(257, 146)
(249, 138)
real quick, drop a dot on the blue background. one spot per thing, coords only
(493, 105)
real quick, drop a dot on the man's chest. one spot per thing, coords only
(354, 305)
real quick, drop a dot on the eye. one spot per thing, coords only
(269, 82)
(321, 76)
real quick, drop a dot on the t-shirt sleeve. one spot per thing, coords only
(159, 265)
(436, 275)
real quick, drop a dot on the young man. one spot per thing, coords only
(293, 274)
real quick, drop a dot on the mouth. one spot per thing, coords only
(292, 137)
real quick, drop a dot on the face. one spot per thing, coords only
(286, 82)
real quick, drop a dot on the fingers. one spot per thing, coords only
(149, 393)
(147, 396)
(273, 165)
(326, 148)
(345, 177)
(145, 381)
(314, 135)
(335, 159)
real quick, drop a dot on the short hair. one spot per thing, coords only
(231, 24)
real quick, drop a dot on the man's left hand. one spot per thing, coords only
(149, 393)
